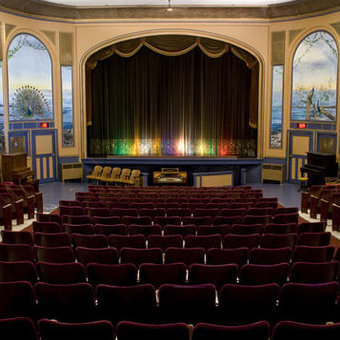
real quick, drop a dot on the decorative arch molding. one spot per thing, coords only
(159, 32)
(238, 48)
(51, 48)
(303, 33)
(197, 33)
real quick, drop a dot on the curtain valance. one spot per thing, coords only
(171, 45)
(175, 45)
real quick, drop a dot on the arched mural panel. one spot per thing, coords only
(29, 79)
(314, 84)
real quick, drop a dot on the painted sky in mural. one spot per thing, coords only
(277, 97)
(30, 79)
(67, 105)
(2, 114)
(315, 78)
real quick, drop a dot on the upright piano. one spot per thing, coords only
(319, 165)
(14, 168)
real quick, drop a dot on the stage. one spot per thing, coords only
(242, 170)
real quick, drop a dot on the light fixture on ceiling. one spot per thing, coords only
(169, 9)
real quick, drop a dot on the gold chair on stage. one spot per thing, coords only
(124, 175)
(114, 176)
(105, 174)
(133, 179)
(97, 170)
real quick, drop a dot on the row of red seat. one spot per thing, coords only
(323, 200)
(114, 218)
(125, 199)
(169, 209)
(182, 230)
(44, 221)
(23, 328)
(137, 256)
(237, 304)
(127, 274)
(171, 188)
(16, 200)
(239, 235)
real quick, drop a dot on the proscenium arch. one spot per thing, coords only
(194, 33)
(48, 49)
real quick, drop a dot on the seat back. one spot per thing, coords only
(189, 304)
(133, 303)
(216, 256)
(112, 274)
(242, 304)
(130, 241)
(18, 328)
(158, 274)
(96, 255)
(16, 252)
(66, 302)
(187, 256)
(257, 274)
(270, 255)
(296, 331)
(313, 254)
(53, 330)
(17, 237)
(17, 271)
(61, 273)
(311, 303)
(164, 242)
(129, 330)
(255, 331)
(317, 272)
(139, 256)
(217, 275)
(17, 298)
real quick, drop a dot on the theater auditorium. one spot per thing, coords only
(169, 169)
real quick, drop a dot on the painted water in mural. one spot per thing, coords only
(315, 78)
(276, 110)
(29, 79)
(67, 105)
(2, 114)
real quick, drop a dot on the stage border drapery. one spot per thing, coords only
(175, 45)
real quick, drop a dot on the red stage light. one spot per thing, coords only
(302, 125)
(44, 125)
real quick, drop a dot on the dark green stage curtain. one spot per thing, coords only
(187, 105)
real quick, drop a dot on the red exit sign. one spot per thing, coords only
(44, 125)
(302, 125)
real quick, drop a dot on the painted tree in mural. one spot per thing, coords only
(22, 41)
(315, 78)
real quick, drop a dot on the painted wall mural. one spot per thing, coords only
(67, 105)
(29, 79)
(2, 114)
(314, 83)
(277, 102)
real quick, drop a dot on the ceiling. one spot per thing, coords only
(124, 3)
(183, 9)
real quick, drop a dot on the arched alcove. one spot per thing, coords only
(172, 95)
(314, 94)
(29, 79)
